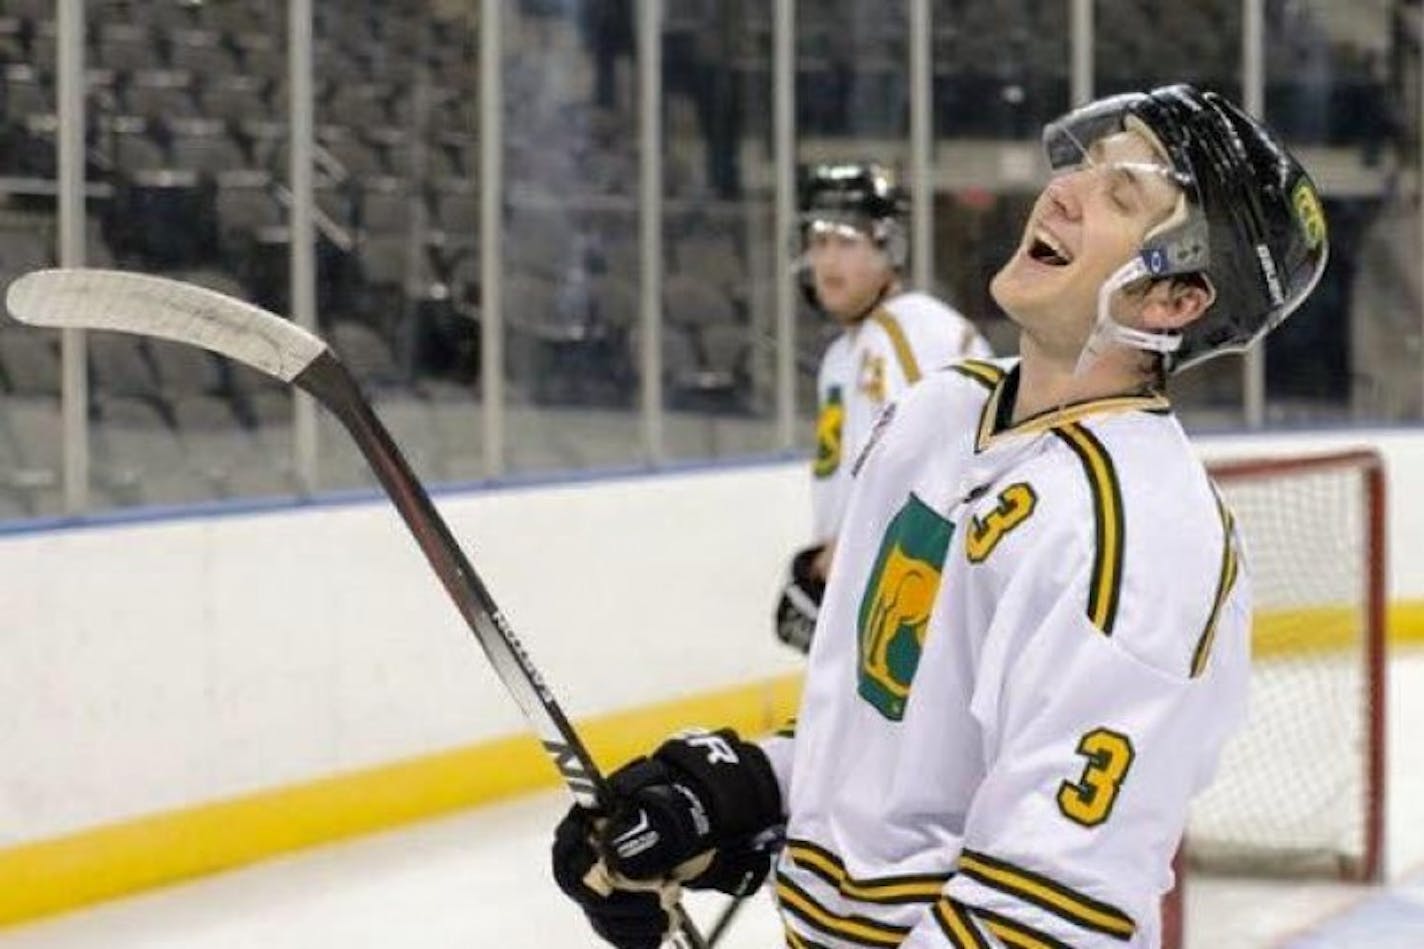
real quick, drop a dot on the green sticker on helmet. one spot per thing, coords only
(1308, 213)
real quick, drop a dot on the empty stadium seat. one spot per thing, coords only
(455, 154)
(186, 370)
(261, 53)
(456, 203)
(340, 64)
(203, 145)
(364, 351)
(203, 53)
(29, 362)
(26, 92)
(119, 366)
(692, 301)
(126, 47)
(44, 45)
(198, 414)
(617, 300)
(243, 205)
(239, 18)
(399, 155)
(385, 258)
(265, 143)
(713, 257)
(264, 402)
(133, 144)
(362, 104)
(161, 94)
(13, 40)
(36, 436)
(337, 201)
(387, 204)
(139, 458)
(351, 151)
(234, 98)
(97, 252)
(22, 251)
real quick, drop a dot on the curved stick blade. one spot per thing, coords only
(79, 298)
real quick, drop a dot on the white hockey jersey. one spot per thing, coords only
(866, 367)
(1033, 644)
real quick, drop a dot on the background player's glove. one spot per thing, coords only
(800, 601)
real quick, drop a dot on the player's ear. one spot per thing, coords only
(1172, 304)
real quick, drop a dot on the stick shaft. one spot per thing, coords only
(724, 921)
(330, 382)
(170, 309)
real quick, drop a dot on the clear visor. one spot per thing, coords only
(1084, 139)
(820, 231)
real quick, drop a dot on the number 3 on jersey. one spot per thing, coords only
(1090, 800)
(1016, 503)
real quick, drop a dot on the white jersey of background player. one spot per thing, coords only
(868, 366)
(853, 248)
(1034, 636)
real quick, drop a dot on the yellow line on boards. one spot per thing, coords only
(1305, 630)
(62, 873)
(1406, 622)
(50, 876)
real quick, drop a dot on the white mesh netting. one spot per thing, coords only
(1293, 790)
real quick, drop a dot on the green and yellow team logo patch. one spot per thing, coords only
(830, 424)
(895, 610)
(1308, 213)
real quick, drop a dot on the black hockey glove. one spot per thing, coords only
(800, 601)
(701, 793)
(704, 811)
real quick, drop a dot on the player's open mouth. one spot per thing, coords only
(1047, 249)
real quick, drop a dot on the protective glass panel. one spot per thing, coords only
(852, 104)
(30, 429)
(185, 179)
(1000, 74)
(718, 247)
(397, 217)
(1139, 44)
(1342, 85)
(570, 249)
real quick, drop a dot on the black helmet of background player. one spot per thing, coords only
(859, 196)
(1248, 221)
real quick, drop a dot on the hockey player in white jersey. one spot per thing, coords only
(853, 250)
(1034, 639)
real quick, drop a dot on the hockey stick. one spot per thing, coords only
(156, 306)
(724, 921)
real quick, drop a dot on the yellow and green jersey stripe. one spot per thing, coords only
(1108, 522)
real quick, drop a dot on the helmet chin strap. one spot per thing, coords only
(1108, 332)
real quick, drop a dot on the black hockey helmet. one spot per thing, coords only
(860, 195)
(1250, 221)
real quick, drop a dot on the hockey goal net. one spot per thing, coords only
(1300, 788)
